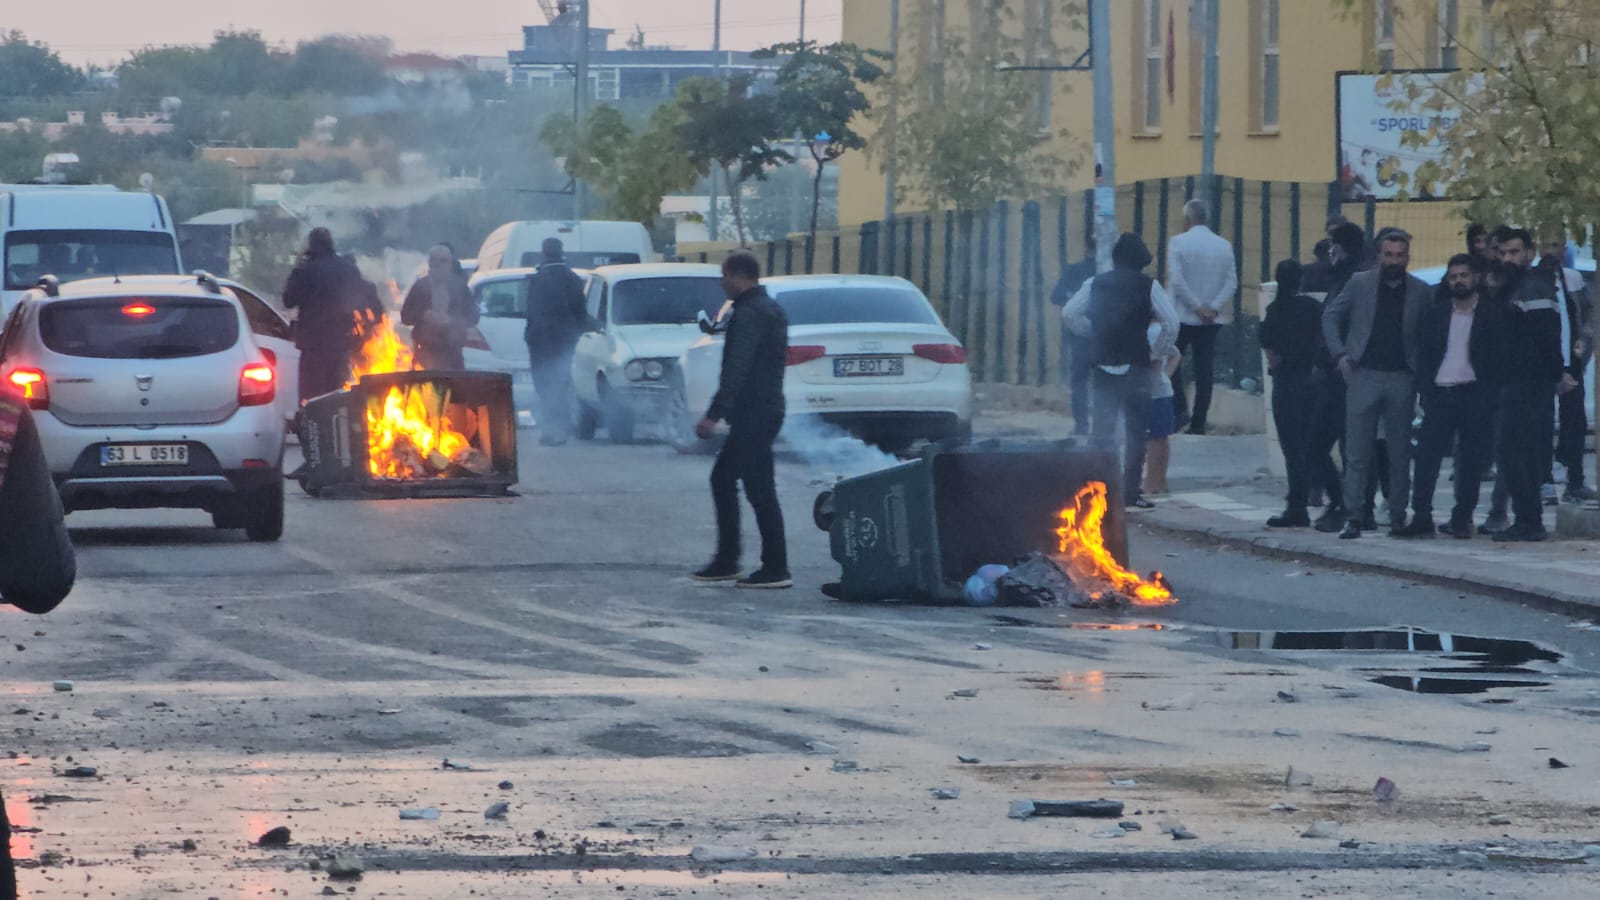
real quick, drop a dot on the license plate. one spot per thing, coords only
(144, 455)
(854, 366)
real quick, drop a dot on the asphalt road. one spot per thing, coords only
(554, 641)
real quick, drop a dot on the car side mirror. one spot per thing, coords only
(703, 319)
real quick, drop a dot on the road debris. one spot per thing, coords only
(1082, 809)
(1499, 820)
(1297, 778)
(945, 793)
(1124, 782)
(968, 760)
(456, 766)
(1283, 807)
(1558, 764)
(497, 810)
(845, 765)
(721, 853)
(1130, 826)
(1109, 833)
(63, 685)
(345, 865)
(965, 692)
(1322, 828)
(81, 772)
(822, 747)
(1286, 732)
(277, 837)
(104, 713)
(1183, 701)
(505, 785)
(428, 814)
(1385, 791)
(1287, 697)
(1351, 844)
(982, 646)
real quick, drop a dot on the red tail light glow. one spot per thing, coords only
(138, 310)
(805, 353)
(258, 385)
(946, 354)
(32, 385)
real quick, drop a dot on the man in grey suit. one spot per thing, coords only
(1372, 330)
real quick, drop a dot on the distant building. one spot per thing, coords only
(147, 125)
(548, 53)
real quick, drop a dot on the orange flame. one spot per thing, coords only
(406, 439)
(1083, 543)
(381, 351)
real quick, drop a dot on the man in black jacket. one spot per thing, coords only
(750, 399)
(1291, 335)
(1532, 369)
(1322, 281)
(440, 310)
(327, 289)
(1459, 349)
(556, 317)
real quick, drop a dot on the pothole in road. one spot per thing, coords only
(1469, 658)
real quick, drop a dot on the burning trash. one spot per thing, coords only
(1094, 572)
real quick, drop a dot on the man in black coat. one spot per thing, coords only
(750, 399)
(1297, 359)
(1459, 350)
(327, 290)
(440, 310)
(556, 317)
(1532, 369)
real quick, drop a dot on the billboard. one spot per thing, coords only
(1374, 117)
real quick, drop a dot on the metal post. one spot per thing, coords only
(1208, 107)
(716, 72)
(799, 216)
(580, 193)
(1105, 133)
(889, 123)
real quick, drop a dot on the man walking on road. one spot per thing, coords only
(556, 317)
(1459, 350)
(750, 399)
(1532, 371)
(1371, 329)
(1202, 280)
(1116, 310)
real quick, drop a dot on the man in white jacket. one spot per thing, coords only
(1201, 279)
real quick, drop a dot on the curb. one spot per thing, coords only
(1266, 545)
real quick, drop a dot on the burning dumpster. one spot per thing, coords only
(917, 530)
(413, 433)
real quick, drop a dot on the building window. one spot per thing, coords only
(1449, 26)
(1269, 65)
(1153, 63)
(1384, 44)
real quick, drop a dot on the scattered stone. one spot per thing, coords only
(1322, 828)
(104, 713)
(721, 853)
(1185, 701)
(328, 891)
(189, 845)
(1109, 833)
(981, 646)
(1558, 764)
(1385, 791)
(822, 747)
(1499, 820)
(456, 766)
(1020, 809)
(314, 865)
(390, 712)
(497, 810)
(1478, 747)
(1183, 834)
(1283, 807)
(945, 793)
(1494, 730)
(763, 669)
(63, 685)
(965, 692)
(1130, 826)
(845, 765)
(506, 785)
(1286, 732)
(50, 858)
(1287, 697)
(1124, 782)
(429, 813)
(81, 772)
(345, 865)
(968, 760)
(1473, 857)
(1297, 779)
(1351, 844)
(1078, 809)
(277, 837)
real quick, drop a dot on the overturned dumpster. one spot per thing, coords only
(917, 530)
(412, 434)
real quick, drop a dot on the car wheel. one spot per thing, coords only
(822, 511)
(262, 511)
(618, 418)
(588, 422)
(681, 421)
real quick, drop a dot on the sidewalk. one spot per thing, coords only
(1221, 489)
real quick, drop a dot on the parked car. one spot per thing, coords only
(867, 353)
(641, 319)
(152, 392)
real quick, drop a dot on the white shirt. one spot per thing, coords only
(1572, 281)
(1076, 315)
(1456, 367)
(1201, 275)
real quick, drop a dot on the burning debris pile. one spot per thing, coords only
(412, 433)
(1082, 573)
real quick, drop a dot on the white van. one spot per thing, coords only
(587, 244)
(76, 232)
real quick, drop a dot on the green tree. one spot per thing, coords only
(727, 132)
(31, 69)
(22, 155)
(338, 65)
(630, 170)
(820, 96)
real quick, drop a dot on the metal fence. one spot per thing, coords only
(990, 274)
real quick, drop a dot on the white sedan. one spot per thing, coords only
(867, 353)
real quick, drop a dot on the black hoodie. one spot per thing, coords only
(1119, 307)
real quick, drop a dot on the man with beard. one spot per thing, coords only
(1532, 371)
(1371, 330)
(1459, 351)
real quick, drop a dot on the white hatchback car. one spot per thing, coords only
(642, 317)
(152, 391)
(867, 353)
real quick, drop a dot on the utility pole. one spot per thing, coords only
(799, 216)
(1105, 134)
(580, 193)
(1208, 112)
(716, 72)
(889, 126)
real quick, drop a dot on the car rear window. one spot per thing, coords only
(835, 305)
(665, 301)
(73, 254)
(139, 327)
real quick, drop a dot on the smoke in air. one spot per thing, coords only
(831, 452)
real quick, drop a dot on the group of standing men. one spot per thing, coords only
(1488, 352)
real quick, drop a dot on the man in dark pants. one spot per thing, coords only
(556, 317)
(750, 399)
(1532, 370)
(1323, 281)
(1202, 279)
(1291, 335)
(1458, 351)
(1371, 329)
(327, 289)
(1115, 311)
(1576, 340)
(1075, 366)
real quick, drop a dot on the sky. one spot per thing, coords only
(105, 31)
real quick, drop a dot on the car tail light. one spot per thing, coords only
(946, 354)
(258, 384)
(805, 353)
(32, 385)
(476, 340)
(138, 310)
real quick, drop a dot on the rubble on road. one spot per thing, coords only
(277, 837)
(1081, 809)
(721, 853)
(345, 866)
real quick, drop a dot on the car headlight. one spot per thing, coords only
(634, 370)
(654, 370)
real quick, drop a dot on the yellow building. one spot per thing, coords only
(1277, 63)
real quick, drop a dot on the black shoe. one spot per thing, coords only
(1352, 529)
(718, 571)
(1533, 534)
(1421, 526)
(1330, 521)
(1460, 529)
(1509, 534)
(766, 578)
(1290, 518)
(1314, 498)
(1579, 494)
(1495, 524)
(1140, 503)
(1369, 522)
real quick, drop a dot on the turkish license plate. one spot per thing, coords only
(854, 366)
(144, 455)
